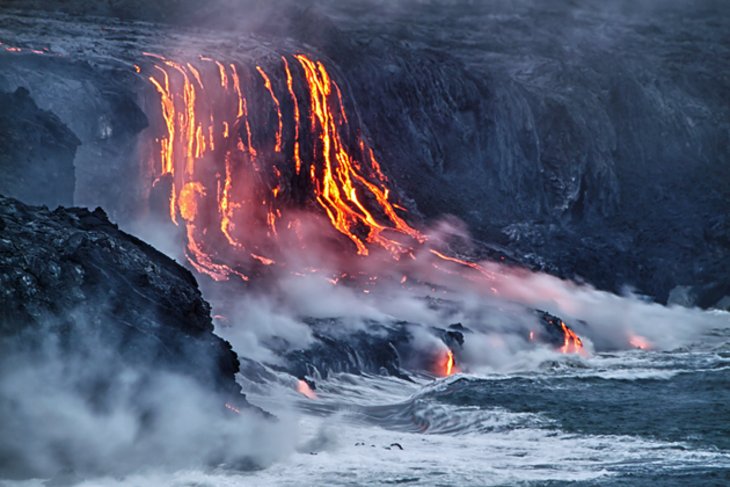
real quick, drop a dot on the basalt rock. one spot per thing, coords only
(36, 152)
(70, 274)
(99, 106)
(591, 139)
(337, 349)
(397, 349)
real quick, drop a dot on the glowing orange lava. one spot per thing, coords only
(639, 342)
(571, 342)
(233, 199)
(340, 183)
(465, 263)
(446, 365)
(206, 117)
(277, 105)
(304, 389)
(295, 103)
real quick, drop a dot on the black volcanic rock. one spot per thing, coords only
(588, 138)
(69, 271)
(396, 348)
(99, 106)
(108, 361)
(336, 349)
(36, 152)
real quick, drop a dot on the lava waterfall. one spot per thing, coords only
(244, 152)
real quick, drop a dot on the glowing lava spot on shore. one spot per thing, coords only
(571, 342)
(639, 342)
(446, 364)
(304, 389)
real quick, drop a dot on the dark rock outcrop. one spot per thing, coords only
(396, 348)
(108, 361)
(96, 103)
(36, 152)
(71, 269)
(337, 349)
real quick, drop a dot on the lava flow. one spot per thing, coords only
(572, 343)
(639, 342)
(245, 155)
(447, 365)
(225, 175)
(304, 389)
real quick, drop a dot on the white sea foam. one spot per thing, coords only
(352, 454)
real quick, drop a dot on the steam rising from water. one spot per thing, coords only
(498, 309)
(185, 425)
(69, 404)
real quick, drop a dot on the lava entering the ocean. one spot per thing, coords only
(244, 155)
(447, 364)
(572, 343)
(304, 389)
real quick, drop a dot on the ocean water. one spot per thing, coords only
(627, 418)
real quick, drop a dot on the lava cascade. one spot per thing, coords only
(242, 150)
(227, 177)
(571, 342)
(446, 366)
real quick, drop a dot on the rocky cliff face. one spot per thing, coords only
(98, 106)
(38, 150)
(590, 140)
(107, 352)
(58, 265)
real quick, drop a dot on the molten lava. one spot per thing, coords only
(221, 186)
(342, 181)
(297, 116)
(242, 152)
(571, 342)
(275, 99)
(446, 365)
(639, 342)
(304, 389)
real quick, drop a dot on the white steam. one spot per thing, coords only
(495, 303)
(72, 407)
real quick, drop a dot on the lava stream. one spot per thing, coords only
(238, 186)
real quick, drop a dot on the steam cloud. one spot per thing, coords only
(497, 305)
(70, 405)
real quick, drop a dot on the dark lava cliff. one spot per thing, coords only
(97, 327)
(37, 158)
(58, 263)
(588, 139)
